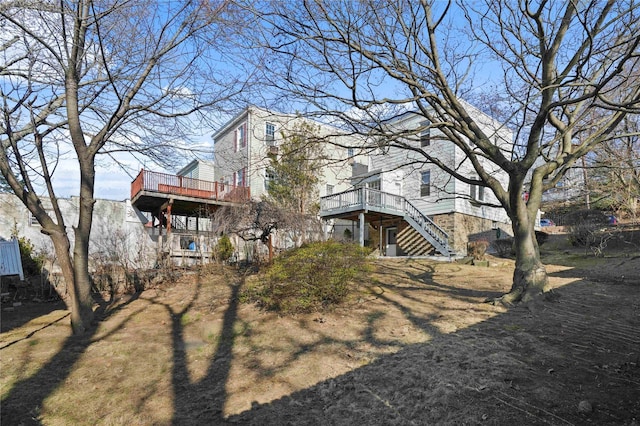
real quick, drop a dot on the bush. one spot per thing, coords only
(310, 278)
(31, 262)
(477, 249)
(504, 247)
(224, 249)
(584, 225)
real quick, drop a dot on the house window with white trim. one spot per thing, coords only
(270, 134)
(269, 178)
(374, 184)
(329, 189)
(240, 137)
(425, 184)
(241, 177)
(32, 220)
(425, 135)
(476, 192)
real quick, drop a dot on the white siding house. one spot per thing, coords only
(243, 145)
(198, 169)
(455, 207)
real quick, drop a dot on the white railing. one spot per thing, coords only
(427, 224)
(372, 199)
(362, 198)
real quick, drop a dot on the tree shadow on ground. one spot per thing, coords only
(425, 279)
(21, 406)
(202, 401)
(19, 316)
(569, 362)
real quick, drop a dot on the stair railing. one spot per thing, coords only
(426, 224)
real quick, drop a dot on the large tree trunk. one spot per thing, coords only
(530, 276)
(81, 245)
(79, 302)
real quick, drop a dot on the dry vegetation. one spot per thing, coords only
(415, 345)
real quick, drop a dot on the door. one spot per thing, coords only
(391, 241)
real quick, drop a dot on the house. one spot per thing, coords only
(179, 209)
(117, 229)
(244, 145)
(411, 207)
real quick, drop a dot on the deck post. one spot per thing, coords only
(380, 240)
(361, 218)
(169, 218)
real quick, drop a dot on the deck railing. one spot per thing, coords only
(180, 185)
(371, 199)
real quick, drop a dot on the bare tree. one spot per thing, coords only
(259, 220)
(81, 78)
(614, 172)
(255, 221)
(550, 65)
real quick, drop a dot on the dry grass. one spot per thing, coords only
(190, 353)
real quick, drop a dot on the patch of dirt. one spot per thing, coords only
(416, 345)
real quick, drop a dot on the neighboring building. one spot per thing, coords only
(198, 169)
(570, 187)
(118, 228)
(414, 208)
(243, 146)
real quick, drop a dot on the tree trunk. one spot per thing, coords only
(80, 306)
(530, 276)
(81, 245)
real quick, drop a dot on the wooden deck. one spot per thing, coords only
(150, 191)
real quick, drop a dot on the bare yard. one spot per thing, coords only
(416, 345)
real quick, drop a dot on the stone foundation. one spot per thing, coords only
(463, 228)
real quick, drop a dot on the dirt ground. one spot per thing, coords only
(416, 345)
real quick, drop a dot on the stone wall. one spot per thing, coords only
(463, 228)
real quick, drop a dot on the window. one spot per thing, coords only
(269, 178)
(270, 134)
(476, 192)
(350, 152)
(241, 177)
(32, 220)
(374, 184)
(240, 140)
(425, 135)
(425, 184)
(329, 189)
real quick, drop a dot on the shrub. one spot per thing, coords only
(477, 249)
(224, 249)
(310, 278)
(504, 247)
(31, 262)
